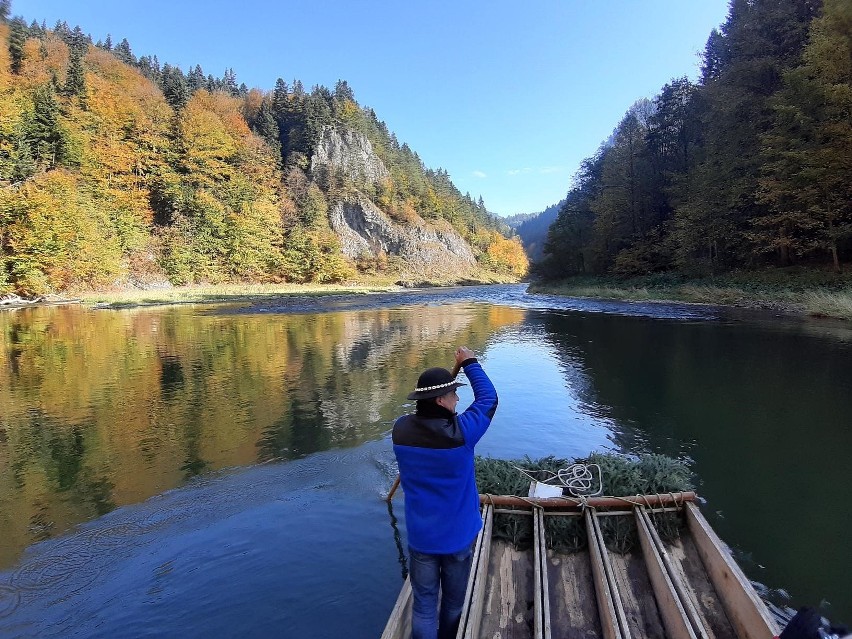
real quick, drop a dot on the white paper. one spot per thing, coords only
(538, 489)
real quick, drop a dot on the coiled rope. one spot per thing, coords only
(577, 478)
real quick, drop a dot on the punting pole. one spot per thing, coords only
(393, 488)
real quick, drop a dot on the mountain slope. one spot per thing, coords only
(115, 171)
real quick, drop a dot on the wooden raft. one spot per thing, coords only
(690, 588)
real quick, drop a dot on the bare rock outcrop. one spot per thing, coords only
(433, 251)
(428, 251)
(350, 152)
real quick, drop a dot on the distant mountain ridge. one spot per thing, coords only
(532, 229)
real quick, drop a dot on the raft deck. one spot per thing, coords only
(689, 588)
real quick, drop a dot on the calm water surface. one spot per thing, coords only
(204, 471)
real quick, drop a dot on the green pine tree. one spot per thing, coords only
(17, 39)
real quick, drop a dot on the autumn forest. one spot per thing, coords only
(120, 171)
(116, 170)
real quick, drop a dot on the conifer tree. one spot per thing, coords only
(61, 30)
(43, 132)
(195, 79)
(266, 126)
(17, 39)
(174, 86)
(229, 82)
(150, 69)
(122, 52)
(75, 82)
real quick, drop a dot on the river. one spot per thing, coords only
(218, 470)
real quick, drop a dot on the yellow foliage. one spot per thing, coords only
(59, 238)
(214, 137)
(5, 61)
(348, 111)
(37, 70)
(507, 256)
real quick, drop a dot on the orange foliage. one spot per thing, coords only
(251, 103)
(36, 70)
(507, 255)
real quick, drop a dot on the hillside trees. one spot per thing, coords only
(568, 247)
(807, 175)
(220, 204)
(116, 170)
(758, 41)
(748, 167)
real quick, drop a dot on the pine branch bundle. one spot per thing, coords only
(646, 474)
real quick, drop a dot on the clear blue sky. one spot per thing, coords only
(509, 97)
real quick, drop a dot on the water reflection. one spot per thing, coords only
(761, 414)
(103, 408)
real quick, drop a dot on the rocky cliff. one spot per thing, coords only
(350, 152)
(427, 250)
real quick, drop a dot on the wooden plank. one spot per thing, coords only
(507, 611)
(611, 581)
(636, 594)
(476, 583)
(690, 568)
(746, 611)
(570, 503)
(678, 625)
(685, 594)
(539, 579)
(543, 584)
(475, 567)
(399, 622)
(606, 606)
(573, 605)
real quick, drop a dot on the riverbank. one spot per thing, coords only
(236, 292)
(800, 291)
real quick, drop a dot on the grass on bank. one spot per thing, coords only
(809, 291)
(212, 293)
(235, 292)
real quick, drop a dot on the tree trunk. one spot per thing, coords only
(833, 242)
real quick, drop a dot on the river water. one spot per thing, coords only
(218, 470)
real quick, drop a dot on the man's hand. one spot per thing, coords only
(463, 353)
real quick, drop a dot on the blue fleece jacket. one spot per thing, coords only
(435, 456)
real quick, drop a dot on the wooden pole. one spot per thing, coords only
(393, 488)
(619, 503)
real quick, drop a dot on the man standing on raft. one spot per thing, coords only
(434, 450)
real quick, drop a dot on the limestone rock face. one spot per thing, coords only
(425, 250)
(428, 250)
(350, 152)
